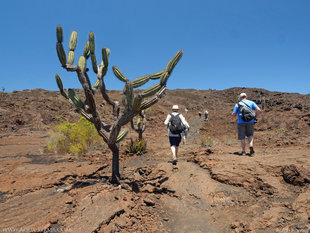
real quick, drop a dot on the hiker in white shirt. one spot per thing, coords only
(175, 137)
(206, 115)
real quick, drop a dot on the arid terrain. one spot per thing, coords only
(211, 189)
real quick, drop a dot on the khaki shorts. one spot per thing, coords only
(245, 130)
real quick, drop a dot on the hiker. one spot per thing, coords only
(186, 111)
(246, 118)
(206, 115)
(176, 124)
(199, 114)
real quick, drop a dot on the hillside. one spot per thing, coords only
(211, 189)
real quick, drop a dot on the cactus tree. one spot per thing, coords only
(134, 101)
(140, 126)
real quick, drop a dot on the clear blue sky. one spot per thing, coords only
(226, 43)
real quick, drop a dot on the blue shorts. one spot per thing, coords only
(174, 141)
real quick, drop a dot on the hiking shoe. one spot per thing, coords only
(174, 162)
(251, 151)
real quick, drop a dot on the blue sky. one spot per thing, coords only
(226, 43)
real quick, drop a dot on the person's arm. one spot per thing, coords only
(185, 123)
(235, 111)
(257, 111)
(167, 120)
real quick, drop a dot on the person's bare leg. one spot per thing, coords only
(174, 153)
(251, 142)
(243, 145)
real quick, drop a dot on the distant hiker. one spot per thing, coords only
(176, 124)
(206, 115)
(199, 114)
(186, 111)
(247, 111)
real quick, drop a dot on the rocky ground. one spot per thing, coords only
(211, 189)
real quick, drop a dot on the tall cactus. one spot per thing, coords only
(134, 101)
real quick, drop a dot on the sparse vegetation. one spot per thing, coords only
(281, 132)
(59, 117)
(206, 141)
(137, 147)
(73, 138)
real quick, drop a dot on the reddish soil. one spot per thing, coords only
(211, 189)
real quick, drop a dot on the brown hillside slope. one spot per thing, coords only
(211, 189)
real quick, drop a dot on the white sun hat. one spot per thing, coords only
(242, 95)
(175, 107)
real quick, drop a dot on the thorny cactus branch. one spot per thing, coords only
(154, 99)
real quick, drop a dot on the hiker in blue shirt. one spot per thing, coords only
(247, 111)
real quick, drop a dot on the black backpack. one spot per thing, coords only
(176, 126)
(246, 112)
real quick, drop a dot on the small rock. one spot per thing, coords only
(125, 186)
(69, 200)
(166, 219)
(148, 188)
(149, 202)
(53, 219)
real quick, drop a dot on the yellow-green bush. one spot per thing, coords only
(73, 138)
(208, 142)
(137, 147)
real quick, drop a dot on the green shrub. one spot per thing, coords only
(73, 138)
(281, 132)
(206, 141)
(137, 147)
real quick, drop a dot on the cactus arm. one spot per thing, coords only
(59, 33)
(91, 39)
(154, 99)
(60, 86)
(105, 56)
(94, 63)
(133, 125)
(137, 103)
(71, 57)
(140, 81)
(61, 54)
(121, 135)
(73, 41)
(75, 99)
(119, 74)
(82, 63)
(157, 75)
(129, 95)
(86, 52)
(143, 121)
(96, 85)
(174, 61)
(151, 91)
